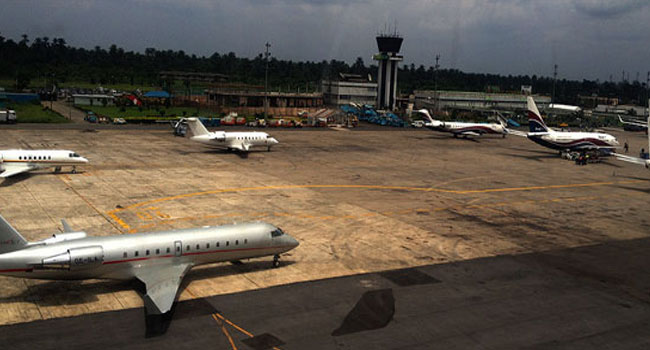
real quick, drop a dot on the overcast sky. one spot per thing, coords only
(590, 39)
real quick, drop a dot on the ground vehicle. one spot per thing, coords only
(8, 116)
(418, 124)
(90, 117)
(119, 121)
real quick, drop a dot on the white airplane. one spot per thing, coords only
(635, 160)
(463, 128)
(632, 125)
(241, 141)
(158, 259)
(13, 162)
(564, 140)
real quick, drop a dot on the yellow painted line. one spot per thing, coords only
(487, 206)
(249, 334)
(225, 332)
(113, 213)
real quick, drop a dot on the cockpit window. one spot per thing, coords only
(75, 155)
(277, 232)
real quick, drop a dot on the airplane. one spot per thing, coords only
(13, 162)
(633, 125)
(240, 141)
(158, 259)
(636, 160)
(464, 129)
(566, 141)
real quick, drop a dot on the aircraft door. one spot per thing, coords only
(178, 248)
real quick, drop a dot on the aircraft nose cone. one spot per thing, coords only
(292, 241)
(274, 141)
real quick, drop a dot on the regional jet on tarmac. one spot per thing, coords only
(158, 259)
(13, 162)
(464, 129)
(633, 125)
(564, 140)
(635, 160)
(241, 141)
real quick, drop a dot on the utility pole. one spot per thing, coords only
(435, 78)
(647, 90)
(554, 82)
(266, 81)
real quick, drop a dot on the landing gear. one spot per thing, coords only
(74, 169)
(268, 149)
(504, 136)
(57, 169)
(276, 261)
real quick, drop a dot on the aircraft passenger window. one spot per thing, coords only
(70, 155)
(157, 251)
(124, 255)
(147, 253)
(49, 157)
(136, 253)
(217, 244)
(168, 250)
(207, 245)
(246, 241)
(198, 247)
(20, 157)
(188, 248)
(236, 242)
(227, 243)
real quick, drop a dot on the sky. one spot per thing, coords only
(587, 39)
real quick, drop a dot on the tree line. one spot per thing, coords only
(53, 61)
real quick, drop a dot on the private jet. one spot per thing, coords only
(641, 161)
(158, 259)
(14, 162)
(239, 141)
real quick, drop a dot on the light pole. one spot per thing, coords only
(435, 78)
(554, 81)
(266, 81)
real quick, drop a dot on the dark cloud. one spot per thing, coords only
(609, 8)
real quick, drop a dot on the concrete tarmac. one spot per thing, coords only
(360, 202)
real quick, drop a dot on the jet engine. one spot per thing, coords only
(76, 258)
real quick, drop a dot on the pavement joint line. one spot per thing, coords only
(487, 206)
(89, 203)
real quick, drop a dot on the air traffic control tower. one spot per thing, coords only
(388, 58)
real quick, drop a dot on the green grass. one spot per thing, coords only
(35, 113)
(134, 112)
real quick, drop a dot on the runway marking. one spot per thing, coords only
(113, 213)
(217, 316)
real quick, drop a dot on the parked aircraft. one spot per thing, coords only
(13, 162)
(463, 128)
(635, 160)
(241, 141)
(564, 140)
(633, 125)
(159, 259)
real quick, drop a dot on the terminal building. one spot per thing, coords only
(349, 88)
(475, 100)
(252, 102)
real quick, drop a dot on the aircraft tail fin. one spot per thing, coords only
(426, 114)
(535, 121)
(197, 127)
(10, 239)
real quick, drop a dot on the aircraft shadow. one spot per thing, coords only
(15, 179)
(643, 190)
(59, 293)
(538, 158)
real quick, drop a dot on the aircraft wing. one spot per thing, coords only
(634, 160)
(516, 132)
(15, 169)
(241, 146)
(162, 282)
(470, 133)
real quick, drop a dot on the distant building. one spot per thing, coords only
(593, 101)
(252, 102)
(350, 88)
(93, 100)
(475, 100)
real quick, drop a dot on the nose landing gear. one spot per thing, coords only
(276, 261)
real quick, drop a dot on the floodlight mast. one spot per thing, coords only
(266, 81)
